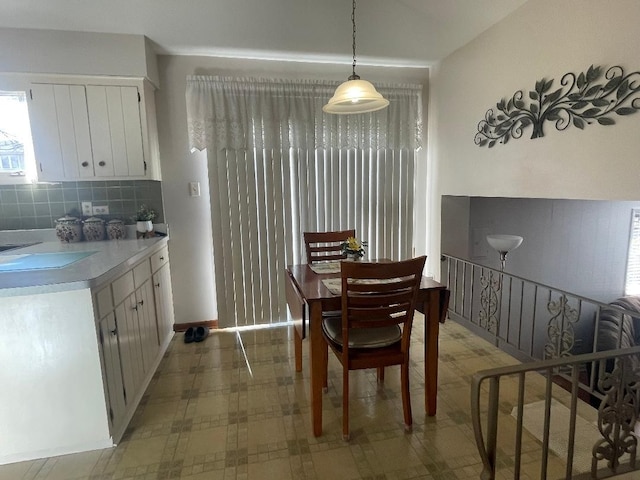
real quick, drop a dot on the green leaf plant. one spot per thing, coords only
(581, 100)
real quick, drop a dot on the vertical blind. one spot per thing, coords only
(269, 182)
(632, 281)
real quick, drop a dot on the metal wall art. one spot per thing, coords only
(581, 100)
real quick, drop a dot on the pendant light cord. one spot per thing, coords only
(353, 22)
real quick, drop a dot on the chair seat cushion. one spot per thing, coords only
(361, 337)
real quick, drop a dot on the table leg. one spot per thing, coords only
(432, 326)
(297, 346)
(296, 306)
(315, 356)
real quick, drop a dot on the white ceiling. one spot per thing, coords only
(389, 32)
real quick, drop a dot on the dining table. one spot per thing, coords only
(308, 297)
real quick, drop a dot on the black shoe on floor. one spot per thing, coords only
(201, 334)
(189, 335)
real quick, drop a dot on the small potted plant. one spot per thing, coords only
(353, 248)
(144, 219)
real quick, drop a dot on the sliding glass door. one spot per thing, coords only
(262, 201)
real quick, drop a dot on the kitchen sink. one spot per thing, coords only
(12, 246)
(39, 261)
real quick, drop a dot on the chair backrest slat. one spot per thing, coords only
(379, 294)
(325, 246)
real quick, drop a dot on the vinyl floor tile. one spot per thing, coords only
(233, 408)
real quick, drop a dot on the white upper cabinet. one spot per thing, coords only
(116, 134)
(60, 130)
(86, 131)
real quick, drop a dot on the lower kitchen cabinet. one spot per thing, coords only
(78, 352)
(163, 293)
(145, 309)
(134, 332)
(108, 332)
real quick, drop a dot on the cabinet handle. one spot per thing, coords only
(102, 163)
(85, 164)
(114, 331)
(157, 285)
(141, 302)
(161, 258)
(135, 307)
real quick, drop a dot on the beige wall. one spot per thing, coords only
(543, 39)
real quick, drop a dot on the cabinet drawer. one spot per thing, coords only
(141, 273)
(122, 287)
(104, 301)
(158, 259)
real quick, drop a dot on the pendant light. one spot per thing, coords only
(355, 95)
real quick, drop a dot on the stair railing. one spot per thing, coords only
(617, 414)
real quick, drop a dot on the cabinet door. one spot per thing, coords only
(60, 131)
(147, 321)
(113, 367)
(116, 133)
(130, 346)
(164, 302)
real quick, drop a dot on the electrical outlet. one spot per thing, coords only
(194, 189)
(87, 209)
(101, 210)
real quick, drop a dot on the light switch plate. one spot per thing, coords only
(194, 189)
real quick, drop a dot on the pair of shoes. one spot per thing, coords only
(201, 334)
(189, 335)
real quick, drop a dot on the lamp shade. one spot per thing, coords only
(504, 243)
(355, 96)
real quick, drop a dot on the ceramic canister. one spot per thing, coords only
(69, 229)
(116, 229)
(93, 229)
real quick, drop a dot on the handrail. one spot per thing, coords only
(446, 256)
(556, 362)
(529, 320)
(618, 412)
(572, 340)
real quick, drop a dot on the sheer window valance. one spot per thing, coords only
(246, 113)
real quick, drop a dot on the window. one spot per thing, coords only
(17, 162)
(632, 281)
(278, 166)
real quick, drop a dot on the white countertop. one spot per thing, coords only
(112, 258)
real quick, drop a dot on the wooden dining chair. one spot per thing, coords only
(374, 331)
(322, 246)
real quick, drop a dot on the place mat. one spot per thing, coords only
(325, 267)
(334, 285)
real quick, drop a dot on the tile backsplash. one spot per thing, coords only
(38, 206)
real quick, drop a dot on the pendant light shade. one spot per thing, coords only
(355, 95)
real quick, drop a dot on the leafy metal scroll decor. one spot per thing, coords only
(560, 331)
(617, 415)
(581, 100)
(489, 302)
